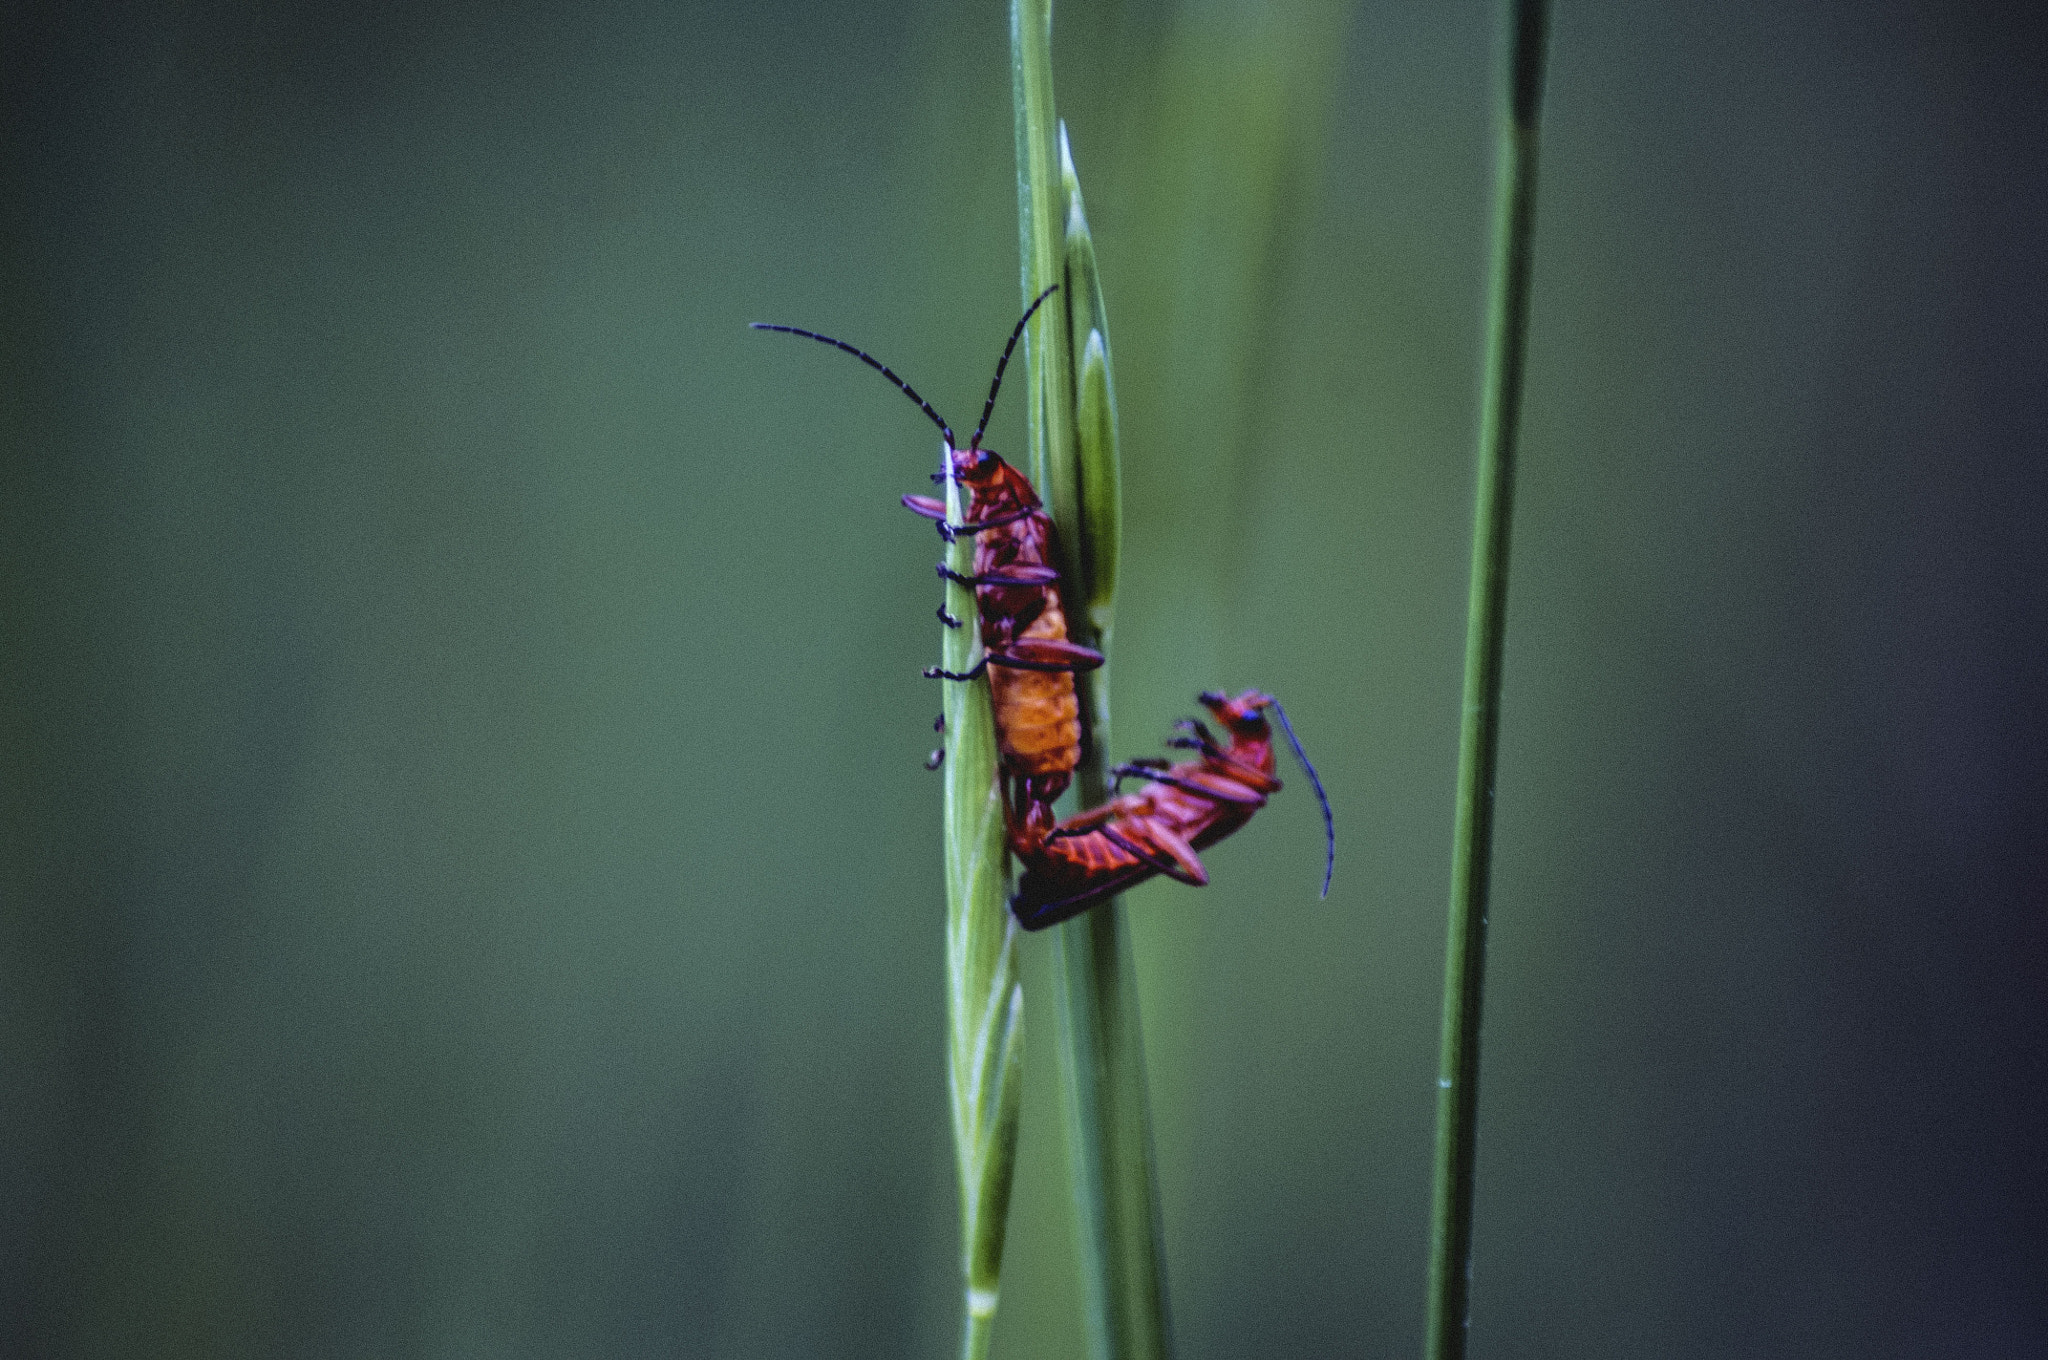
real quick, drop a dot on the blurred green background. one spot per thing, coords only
(469, 887)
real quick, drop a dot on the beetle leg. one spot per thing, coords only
(1021, 574)
(1158, 860)
(1217, 788)
(1195, 736)
(941, 673)
(1163, 834)
(1023, 663)
(1028, 820)
(1138, 765)
(947, 618)
(1160, 846)
(1047, 654)
(1081, 823)
(976, 526)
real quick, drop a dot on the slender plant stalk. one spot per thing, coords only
(1101, 1043)
(1450, 1255)
(984, 999)
(1041, 233)
(1074, 462)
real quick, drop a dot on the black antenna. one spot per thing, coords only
(988, 407)
(886, 372)
(1329, 826)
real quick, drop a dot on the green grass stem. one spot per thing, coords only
(1041, 233)
(1074, 463)
(1450, 1257)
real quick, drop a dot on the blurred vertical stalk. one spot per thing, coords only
(1074, 463)
(984, 999)
(1450, 1256)
(1227, 139)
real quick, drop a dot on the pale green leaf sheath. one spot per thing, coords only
(984, 1001)
(1100, 471)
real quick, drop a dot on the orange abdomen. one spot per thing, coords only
(1038, 720)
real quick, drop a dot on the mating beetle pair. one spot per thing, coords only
(1071, 865)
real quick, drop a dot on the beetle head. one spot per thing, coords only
(1244, 715)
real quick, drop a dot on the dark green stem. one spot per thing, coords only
(1450, 1256)
(1109, 1138)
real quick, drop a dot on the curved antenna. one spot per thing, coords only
(882, 369)
(988, 407)
(1329, 826)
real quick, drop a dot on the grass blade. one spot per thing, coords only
(1041, 230)
(1099, 470)
(1450, 1254)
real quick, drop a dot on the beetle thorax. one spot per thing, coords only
(997, 488)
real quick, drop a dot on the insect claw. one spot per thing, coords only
(939, 723)
(977, 526)
(947, 618)
(932, 761)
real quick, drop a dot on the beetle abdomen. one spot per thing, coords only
(1038, 720)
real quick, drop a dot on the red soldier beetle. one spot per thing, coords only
(1026, 653)
(1189, 807)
